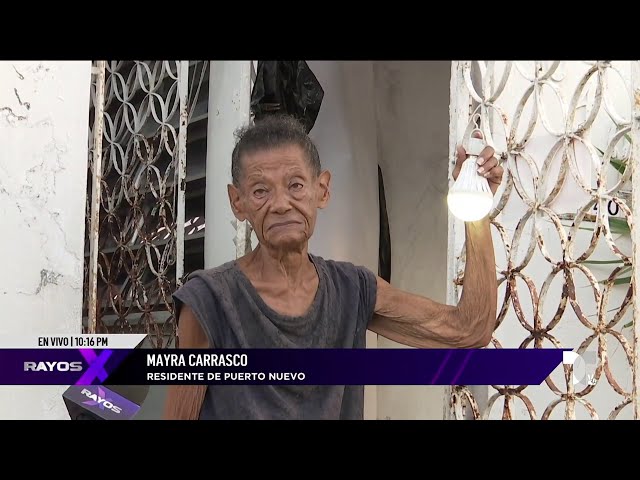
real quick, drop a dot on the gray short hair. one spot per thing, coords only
(270, 132)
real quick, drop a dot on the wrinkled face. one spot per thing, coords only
(280, 196)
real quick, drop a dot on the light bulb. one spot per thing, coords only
(470, 198)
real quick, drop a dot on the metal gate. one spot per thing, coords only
(563, 230)
(135, 230)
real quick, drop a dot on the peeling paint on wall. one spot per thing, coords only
(43, 168)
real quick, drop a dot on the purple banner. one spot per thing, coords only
(279, 367)
(59, 366)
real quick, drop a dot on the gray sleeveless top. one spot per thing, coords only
(233, 315)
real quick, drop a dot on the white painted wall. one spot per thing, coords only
(44, 109)
(345, 134)
(412, 100)
(229, 99)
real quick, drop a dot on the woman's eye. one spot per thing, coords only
(296, 186)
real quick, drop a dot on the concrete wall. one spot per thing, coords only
(412, 100)
(43, 167)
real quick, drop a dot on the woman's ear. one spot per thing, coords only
(324, 182)
(235, 202)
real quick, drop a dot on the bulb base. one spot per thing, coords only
(475, 146)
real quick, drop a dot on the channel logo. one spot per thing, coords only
(52, 366)
(584, 367)
(100, 400)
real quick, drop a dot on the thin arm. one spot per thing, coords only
(418, 321)
(185, 401)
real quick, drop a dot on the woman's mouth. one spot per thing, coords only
(283, 224)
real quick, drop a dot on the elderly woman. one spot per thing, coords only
(282, 296)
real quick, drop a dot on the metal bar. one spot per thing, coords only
(635, 217)
(459, 108)
(183, 91)
(96, 193)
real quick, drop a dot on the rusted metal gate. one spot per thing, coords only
(563, 230)
(135, 231)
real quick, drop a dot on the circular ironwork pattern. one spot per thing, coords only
(564, 131)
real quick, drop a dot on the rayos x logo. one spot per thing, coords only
(99, 399)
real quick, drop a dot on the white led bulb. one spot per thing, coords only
(470, 198)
